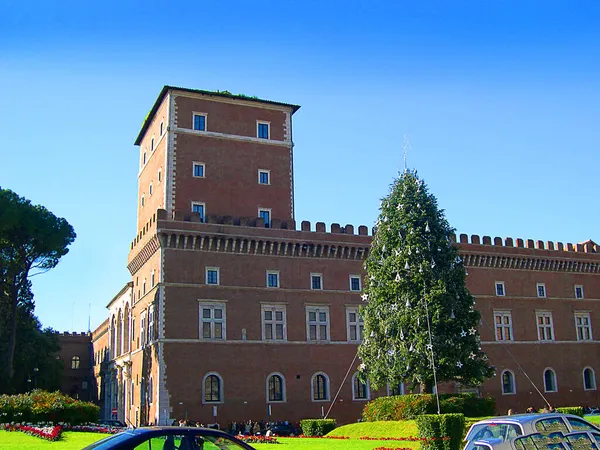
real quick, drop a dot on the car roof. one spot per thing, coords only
(524, 418)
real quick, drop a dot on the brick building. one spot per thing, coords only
(235, 312)
(76, 355)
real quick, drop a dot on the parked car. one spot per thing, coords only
(283, 430)
(170, 438)
(112, 423)
(504, 428)
(557, 440)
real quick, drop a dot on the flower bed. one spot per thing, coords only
(49, 432)
(258, 439)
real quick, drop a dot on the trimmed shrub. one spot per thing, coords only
(42, 406)
(575, 410)
(317, 427)
(441, 431)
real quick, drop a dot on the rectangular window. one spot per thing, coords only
(264, 176)
(199, 122)
(355, 283)
(316, 281)
(503, 324)
(152, 144)
(583, 326)
(317, 323)
(545, 326)
(272, 278)
(198, 170)
(273, 323)
(212, 275)
(500, 289)
(198, 207)
(265, 214)
(354, 325)
(212, 321)
(578, 291)
(541, 290)
(262, 130)
(162, 126)
(151, 324)
(143, 329)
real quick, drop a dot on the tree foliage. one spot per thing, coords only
(416, 283)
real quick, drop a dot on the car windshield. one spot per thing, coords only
(187, 441)
(502, 431)
(108, 442)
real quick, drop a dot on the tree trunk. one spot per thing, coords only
(12, 340)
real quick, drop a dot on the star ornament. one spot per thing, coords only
(429, 347)
(463, 333)
(472, 355)
(459, 364)
(364, 297)
(362, 367)
(472, 331)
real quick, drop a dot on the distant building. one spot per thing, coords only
(76, 355)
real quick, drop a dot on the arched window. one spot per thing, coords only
(360, 390)
(75, 362)
(212, 388)
(275, 388)
(589, 379)
(550, 381)
(508, 382)
(320, 387)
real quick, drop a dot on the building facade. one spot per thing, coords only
(236, 312)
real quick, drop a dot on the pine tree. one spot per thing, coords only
(418, 309)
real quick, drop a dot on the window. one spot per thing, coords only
(262, 130)
(144, 158)
(152, 144)
(583, 326)
(198, 207)
(75, 362)
(589, 379)
(273, 278)
(264, 176)
(544, 326)
(199, 120)
(151, 336)
(578, 291)
(319, 386)
(550, 381)
(212, 388)
(143, 202)
(541, 290)
(198, 171)
(143, 328)
(360, 390)
(212, 275)
(503, 323)
(152, 279)
(500, 289)
(149, 393)
(355, 283)
(144, 287)
(212, 321)
(159, 175)
(162, 128)
(355, 326)
(508, 382)
(273, 322)
(317, 323)
(395, 389)
(265, 214)
(275, 388)
(131, 394)
(316, 281)
(150, 189)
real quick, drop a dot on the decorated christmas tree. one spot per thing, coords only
(419, 317)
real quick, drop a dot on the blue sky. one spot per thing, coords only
(500, 101)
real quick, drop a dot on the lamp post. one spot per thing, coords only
(35, 372)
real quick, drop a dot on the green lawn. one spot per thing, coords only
(593, 419)
(70, 440)
(405, 428)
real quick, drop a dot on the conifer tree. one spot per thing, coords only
(418, 311)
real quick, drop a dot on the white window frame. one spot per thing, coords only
(367, 390)
(402, 389)
(203, 165)
(317, 323)
(312, 390)
(143, 328)
(503, 326)
(150, 323)
(595, 386)
(283, 388)
(212, 305)
(579, 286)
(514, 382)
(263, 122)
(357, 323)
(203, 218)
(354, 276)
(196, 113)
(544, 314)
(274, 308)
(268, 172)
(315, 274)
(583, 315)
(503, 288)
(555, 379)
(267, 225)
(537, 290)
(211, 268)
(221, 389)
(273, 272)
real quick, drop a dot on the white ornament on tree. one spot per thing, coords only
(472, 355)
(364, 297)
(463, 333)
(472, 331)
(397, 279)
(459, 364)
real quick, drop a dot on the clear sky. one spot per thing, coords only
(500, 100)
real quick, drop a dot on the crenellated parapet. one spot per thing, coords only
(583, 247)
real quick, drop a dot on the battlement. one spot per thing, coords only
(583, 247)
(74, 333)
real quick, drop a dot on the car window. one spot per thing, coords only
(551, 424)
(580, 425)
(538, 441)
(502, 431)
(581, 441)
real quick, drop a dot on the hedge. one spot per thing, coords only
(441, 431)
(575, 410)
(42, 406)
(404, 407)
(317, 427)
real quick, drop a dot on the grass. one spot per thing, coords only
(70, 440)
(593, 419)
(329, 444)
(405, 428)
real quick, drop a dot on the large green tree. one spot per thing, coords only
(418, 311)
(32, 241)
